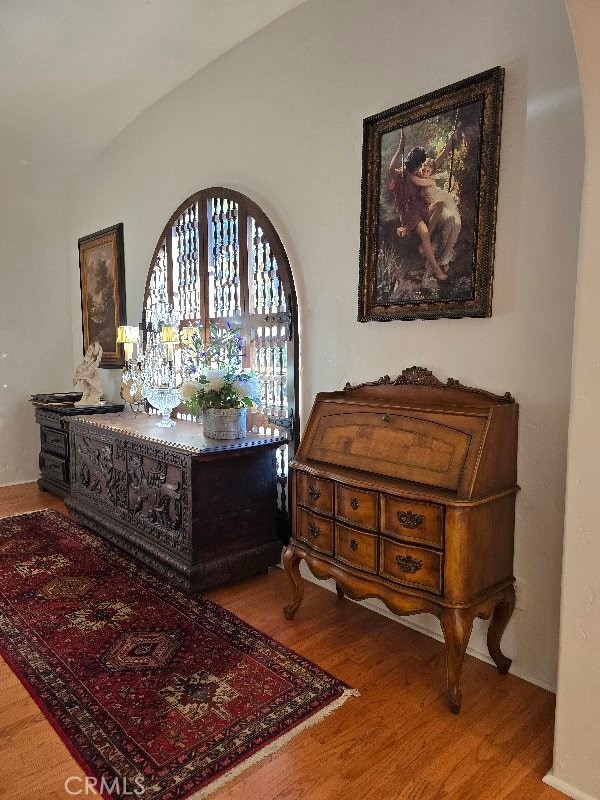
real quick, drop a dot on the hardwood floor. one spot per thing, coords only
(397, 740)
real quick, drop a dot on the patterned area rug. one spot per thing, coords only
(150, 689)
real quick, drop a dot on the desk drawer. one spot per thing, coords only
(314, 493)
(356, 507)
(411, 566)
(54, 441)
(53, 468)
(356, 548)
(316, 531)
(412, 521)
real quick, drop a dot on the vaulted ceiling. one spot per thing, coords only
(75, 73)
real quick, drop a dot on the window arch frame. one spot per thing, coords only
(246, 209)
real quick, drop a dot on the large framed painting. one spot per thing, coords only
(429, 194)
(102, 277)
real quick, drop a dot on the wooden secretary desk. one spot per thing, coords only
(405, 490)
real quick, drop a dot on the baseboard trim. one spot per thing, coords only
(566, 788)
(18, 483)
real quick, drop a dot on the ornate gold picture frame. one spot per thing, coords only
(429, 194)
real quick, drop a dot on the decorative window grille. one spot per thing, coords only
(221, 261)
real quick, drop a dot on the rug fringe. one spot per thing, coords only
(27, 513)
(273, 747)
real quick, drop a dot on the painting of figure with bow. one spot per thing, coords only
(429, 198)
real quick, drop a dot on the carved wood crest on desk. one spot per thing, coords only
(405, 490)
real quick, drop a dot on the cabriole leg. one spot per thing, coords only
(291, 563)
(457, 624)
(500, 618)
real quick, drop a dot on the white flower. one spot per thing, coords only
(247, 386)
(189, 389)
(214, 379)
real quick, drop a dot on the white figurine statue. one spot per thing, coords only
(87, 373)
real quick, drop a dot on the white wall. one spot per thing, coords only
(280, 119)
(576, 767)
(36, 352)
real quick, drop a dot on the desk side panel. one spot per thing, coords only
(479, 548)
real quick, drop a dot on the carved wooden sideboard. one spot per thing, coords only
(405, 490)
(198, 511)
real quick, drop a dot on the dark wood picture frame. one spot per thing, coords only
(457, 129)
(102, 281)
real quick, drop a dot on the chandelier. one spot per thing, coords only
(152, 360)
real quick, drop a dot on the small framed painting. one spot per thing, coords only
(102, 278)
(429, 194)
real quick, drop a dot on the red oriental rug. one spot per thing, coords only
(156, 694)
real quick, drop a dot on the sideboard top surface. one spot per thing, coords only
(185, 436)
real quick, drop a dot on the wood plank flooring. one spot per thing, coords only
(397, 740)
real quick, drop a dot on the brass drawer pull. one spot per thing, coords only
(354, 503)
(314, 530)
(353, 544)
(409, 564)
(409, 520)
(314, 492)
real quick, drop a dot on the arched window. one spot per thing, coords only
(221, 260)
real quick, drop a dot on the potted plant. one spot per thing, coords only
(216, 383)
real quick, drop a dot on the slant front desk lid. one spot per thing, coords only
(417, 429)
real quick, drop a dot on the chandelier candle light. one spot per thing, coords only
(128, 335)
(169, 335)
